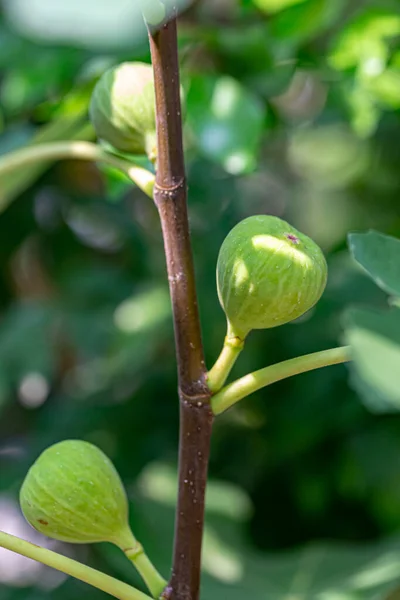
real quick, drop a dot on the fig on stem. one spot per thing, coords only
(122, 109)
(73, 493)
(268, 274)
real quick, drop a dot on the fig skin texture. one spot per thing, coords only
(268, 274)
(74, 494)
(122, 108)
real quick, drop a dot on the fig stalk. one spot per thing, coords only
(74, 150)
(243, 387)
(71, 567)
(152, 578)
(219, 373)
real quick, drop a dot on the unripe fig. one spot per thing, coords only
(267, 274)
(122, 108)
(73, 493)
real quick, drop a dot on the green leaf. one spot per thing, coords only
(379, 254)
(385, 88)
(227, 121)
(365, 39)
(364, 112)
(270, 6)
(24, 342)
(345, 162)
(375, 340)
(305, 20)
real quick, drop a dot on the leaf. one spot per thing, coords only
(270, 6)
(375, 340)
(305, 20)
(227, 121)
(345, 162)
(365, 39)
(379, 254)
(385, 88)
(25, 341)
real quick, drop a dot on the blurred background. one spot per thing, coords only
(292, 109)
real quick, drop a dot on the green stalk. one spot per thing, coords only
(219, 373)
(103, 582)
(52, 151)
(152, 578)
(243, 387)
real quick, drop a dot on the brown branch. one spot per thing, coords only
(170, 195)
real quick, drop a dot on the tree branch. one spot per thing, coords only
(170, 195)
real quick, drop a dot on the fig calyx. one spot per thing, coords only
(268, 274)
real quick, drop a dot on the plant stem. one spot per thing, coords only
(170, 196)
(77, 150)
(252, 382)
(147, 570)
(103, 582)
(217, 376)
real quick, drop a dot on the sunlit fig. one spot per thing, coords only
(73, 493)
(267, 274)
(122, 108)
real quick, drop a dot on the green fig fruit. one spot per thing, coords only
(73, 493)
(267, 274)
(122, 108)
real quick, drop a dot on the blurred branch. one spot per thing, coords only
(62, 128)
(243, 387)
(42, 153)
(97, 579)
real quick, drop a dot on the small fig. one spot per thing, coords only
(122, 108)
(73, 493)
(267, 274)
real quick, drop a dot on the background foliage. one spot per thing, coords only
(292, 108)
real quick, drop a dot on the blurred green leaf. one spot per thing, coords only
(306, 19)
(25, 342)
(365, 114)
(270, 6)
(346, 160)
(385, 87)
(365, 40)
(227, 121)
(379, 254)
(365, 47)
(144, 311)
(375, 340)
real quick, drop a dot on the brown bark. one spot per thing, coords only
(170, 195)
